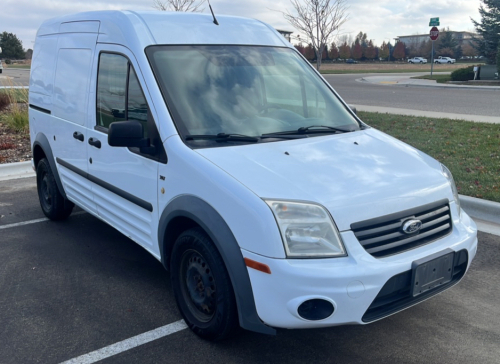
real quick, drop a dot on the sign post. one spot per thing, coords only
(434, 34)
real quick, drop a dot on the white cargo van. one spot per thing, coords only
(223, 153)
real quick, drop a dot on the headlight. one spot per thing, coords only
(447, 174)
(307, 230)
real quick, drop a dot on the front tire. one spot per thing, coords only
(202, 286)
(53, 204)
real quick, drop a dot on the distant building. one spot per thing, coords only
(286, 34)
(460, 37)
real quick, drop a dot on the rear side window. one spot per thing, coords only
(119, 95)
(71, 85)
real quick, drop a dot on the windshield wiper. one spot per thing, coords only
(313, 129)
(321, 129)
(223, 137)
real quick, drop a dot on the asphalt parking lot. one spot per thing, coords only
(73, 287)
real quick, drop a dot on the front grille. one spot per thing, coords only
(396, 293)
(384, 235)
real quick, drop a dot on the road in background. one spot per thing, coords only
(436, 99)
(71, 287)
(16, 76)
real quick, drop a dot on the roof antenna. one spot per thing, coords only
(215, 20)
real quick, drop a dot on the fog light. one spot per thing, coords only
(315, 309)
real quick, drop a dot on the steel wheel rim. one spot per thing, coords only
(46, 196)
(198, 286)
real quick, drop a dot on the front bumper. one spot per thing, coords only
(350, 284)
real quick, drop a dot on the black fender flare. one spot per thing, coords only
(199, 211)
(42, 142)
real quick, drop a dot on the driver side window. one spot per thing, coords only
(119, 94)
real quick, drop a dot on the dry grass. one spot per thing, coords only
(392, 67)
(16, 115)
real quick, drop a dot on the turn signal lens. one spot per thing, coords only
(257, 266)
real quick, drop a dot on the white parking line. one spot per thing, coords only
(34, 221)
(128, 344)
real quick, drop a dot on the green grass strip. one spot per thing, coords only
(437, 78)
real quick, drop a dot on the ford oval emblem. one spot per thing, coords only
(412, 226)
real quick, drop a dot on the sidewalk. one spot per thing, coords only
(485, 213)
(430, 114)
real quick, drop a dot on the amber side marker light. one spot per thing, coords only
(257, 266)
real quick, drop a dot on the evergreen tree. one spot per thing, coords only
(488, 29)
(447, 41)
(498, 59)
(458, 52)
(12, 47)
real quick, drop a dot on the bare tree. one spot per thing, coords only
(179, 5)
(319, 20)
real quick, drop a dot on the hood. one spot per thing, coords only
(356, 176)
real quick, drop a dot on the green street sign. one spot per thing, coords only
(434, 20)
(434, 24)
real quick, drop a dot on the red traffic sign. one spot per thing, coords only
(434, 34)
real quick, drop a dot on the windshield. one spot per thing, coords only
(246, 91)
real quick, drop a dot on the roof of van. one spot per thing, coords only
(159, 27)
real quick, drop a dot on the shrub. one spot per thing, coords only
(8, 61)
(17, 117)
(463, 74)
(18, 120)
(4, 101)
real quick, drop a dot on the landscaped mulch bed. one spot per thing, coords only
(14, 147)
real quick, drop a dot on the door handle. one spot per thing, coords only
(95, 143)
(78, 136)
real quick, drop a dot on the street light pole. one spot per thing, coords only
(432, 58)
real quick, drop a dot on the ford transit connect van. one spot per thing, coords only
(223, 153)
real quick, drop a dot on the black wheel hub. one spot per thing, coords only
(46, 193)
(199, 290)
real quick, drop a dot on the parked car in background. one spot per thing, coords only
(444, 60)
(1, 66)
(417, 60)
(350, 60)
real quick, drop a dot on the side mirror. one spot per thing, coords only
(126, 134)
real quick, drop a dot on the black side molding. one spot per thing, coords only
(41, 109)
(201, 213)
(41, 142)
(123, 194)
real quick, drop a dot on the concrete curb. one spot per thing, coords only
(407, 81)
(481, 209)
(442, 86)
(16, 170)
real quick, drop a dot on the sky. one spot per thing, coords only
(382, 20)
